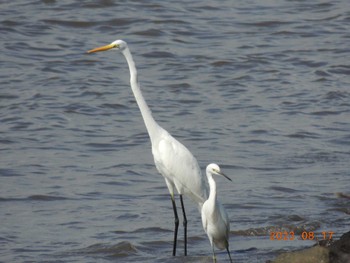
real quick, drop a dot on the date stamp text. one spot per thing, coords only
(305, 235)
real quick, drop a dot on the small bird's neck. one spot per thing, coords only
(212, 188)
(151, 125)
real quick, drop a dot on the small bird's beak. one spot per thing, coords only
(103, 48)
(224, 175)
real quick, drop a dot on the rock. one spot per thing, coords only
(339, 251)
(324, 252)
(315, 254)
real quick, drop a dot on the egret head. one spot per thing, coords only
(214, 169)
(118, 45)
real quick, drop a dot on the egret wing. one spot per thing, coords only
(176, 163)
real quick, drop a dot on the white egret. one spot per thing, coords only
(173, 160)
(214, 217)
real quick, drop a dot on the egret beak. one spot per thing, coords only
(103, 48)
(228, 178)
(224, 175)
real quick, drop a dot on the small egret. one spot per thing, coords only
(214, 217)
(173, 160)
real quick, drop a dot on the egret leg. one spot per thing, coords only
(214, 256)
(176, 224)
(229, 255)
(184, 223)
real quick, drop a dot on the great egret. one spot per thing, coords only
(214, 217)
(173, 160)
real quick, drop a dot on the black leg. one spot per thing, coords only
(184, 223)
(214, 255)
(229, 255)
(176, 224)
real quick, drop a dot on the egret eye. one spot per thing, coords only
(116, 46)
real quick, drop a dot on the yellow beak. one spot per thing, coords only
(103, 48)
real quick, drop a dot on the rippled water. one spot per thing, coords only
(261, 88)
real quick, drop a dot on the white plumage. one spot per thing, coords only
(173, 160)
(214, 217)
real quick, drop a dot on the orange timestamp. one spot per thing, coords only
(305, 235)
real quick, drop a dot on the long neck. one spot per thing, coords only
(148, 119)
(212, 190)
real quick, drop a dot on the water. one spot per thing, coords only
(260, 88)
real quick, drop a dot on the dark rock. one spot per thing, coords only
(324, 252)
(339, 251)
